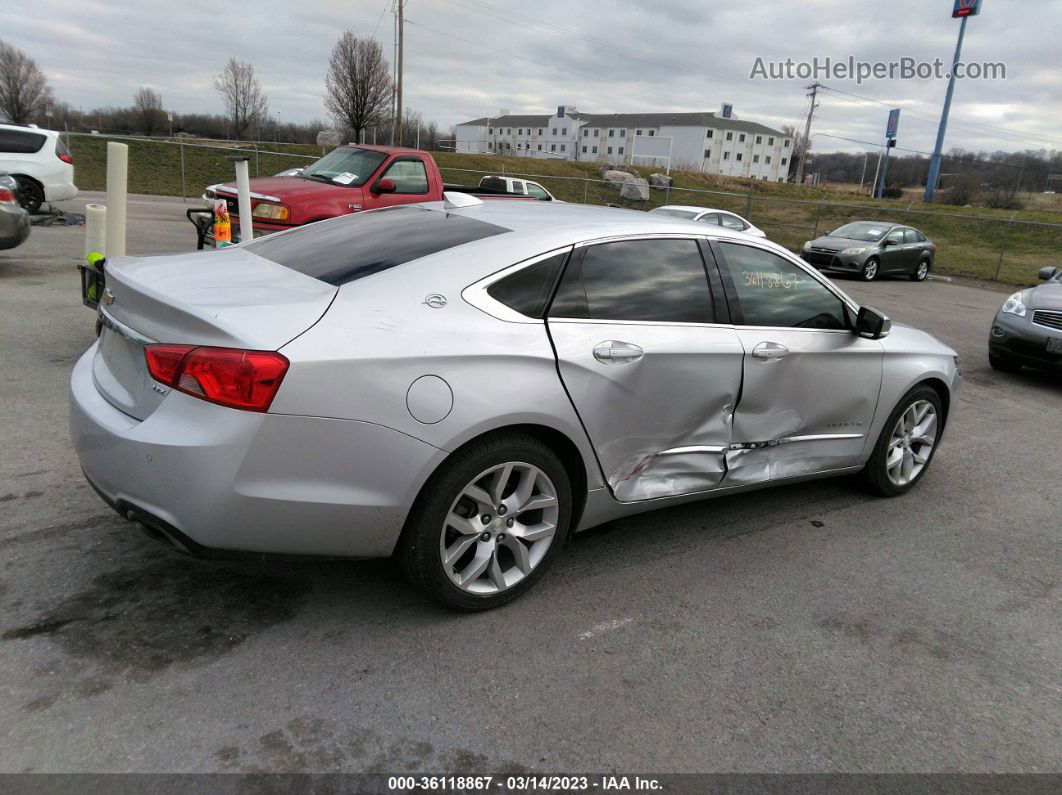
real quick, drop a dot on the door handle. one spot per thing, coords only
(616, 352)
(769, 351)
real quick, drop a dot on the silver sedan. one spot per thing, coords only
(463, 384)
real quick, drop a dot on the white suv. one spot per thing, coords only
(39, 162)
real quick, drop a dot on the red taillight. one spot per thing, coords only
(66, 158)
(6, 196)
(246, 380)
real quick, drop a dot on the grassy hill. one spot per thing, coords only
(969, 240)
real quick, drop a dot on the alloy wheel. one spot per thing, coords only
(923, 270)
(499, 528)
(870, 270)
(911, 444)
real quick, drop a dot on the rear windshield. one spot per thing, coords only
(352, 247)
(493, 183)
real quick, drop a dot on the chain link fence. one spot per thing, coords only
(1008, 249)
(977, 246)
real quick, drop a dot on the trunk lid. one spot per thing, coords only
(229, 298)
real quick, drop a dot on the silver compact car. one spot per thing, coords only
(464, 383)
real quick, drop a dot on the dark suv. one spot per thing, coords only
(871, 249)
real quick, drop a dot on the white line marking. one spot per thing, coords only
(605, 626)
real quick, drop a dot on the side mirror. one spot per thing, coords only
(1048, 273)
(385, 185)
(888, 242)
(871, 324)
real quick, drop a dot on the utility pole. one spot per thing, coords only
(398, 101)
(814, 88)
(963, 9)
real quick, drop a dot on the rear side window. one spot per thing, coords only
(21, 141)
(352, 247)
(492, 183)
(913, 236)
(653, 280)
(527, 291)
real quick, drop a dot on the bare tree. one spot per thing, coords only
(358, 83)
(147, 110)
(243, 95)
(24, 90)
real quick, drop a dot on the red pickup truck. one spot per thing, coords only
(348, 179)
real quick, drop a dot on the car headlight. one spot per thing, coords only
(1014, 305)
(848, 252)
(807, 246)
(274, 212)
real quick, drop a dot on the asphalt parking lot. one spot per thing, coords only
(806, 628)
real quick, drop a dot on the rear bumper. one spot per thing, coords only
(59, 191)
(221, 480)
(14, 226)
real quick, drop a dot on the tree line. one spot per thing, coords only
(358, 95)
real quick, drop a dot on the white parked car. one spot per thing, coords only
(708, 215)
(40, 164)
(524, 187)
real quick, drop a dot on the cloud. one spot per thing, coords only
(469, 58)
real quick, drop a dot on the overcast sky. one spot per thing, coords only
(469, 58)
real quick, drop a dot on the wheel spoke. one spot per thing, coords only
(533, 532)
(494, 571)
(908, 465)
(538, 502)
(520, 555)
(484, 503)
(464, 525)
(474, 570)
(524, 487)
(456, 550)
(497, 485)
(893, 459)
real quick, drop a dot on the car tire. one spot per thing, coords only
(921, 273)
(889, 476)
(870, 270)
(1003, 363)
(435, 552)
(29, 194)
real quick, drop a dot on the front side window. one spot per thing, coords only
(409, 176)
(773, 291)
(895, 237)
(648, 280)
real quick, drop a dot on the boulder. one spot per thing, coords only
(616, 177)
(637, 189)
(660, 180)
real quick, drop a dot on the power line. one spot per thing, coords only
(963, 158)
(379, 19)
(1020, 137)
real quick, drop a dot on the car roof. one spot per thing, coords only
(539, 226)
(27, 128)
(692, 209)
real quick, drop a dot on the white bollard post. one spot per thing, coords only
(117, 187)
(95, 229)
(243, 189)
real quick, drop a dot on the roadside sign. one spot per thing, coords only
(966, 8)
(728, 110)
(893, 124)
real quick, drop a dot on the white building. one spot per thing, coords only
(687, 141)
